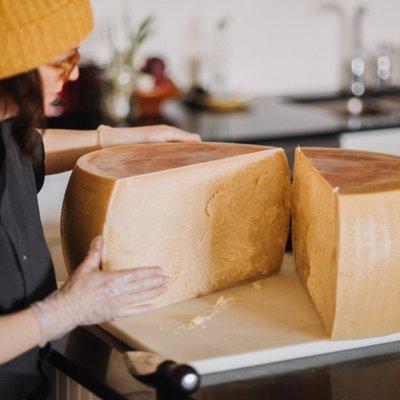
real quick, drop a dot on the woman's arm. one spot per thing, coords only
(29, 334)
(64, 147)
(88, 297)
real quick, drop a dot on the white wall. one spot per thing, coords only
(274, 46)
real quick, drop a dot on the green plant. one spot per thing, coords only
(136, 38)
(144, 31)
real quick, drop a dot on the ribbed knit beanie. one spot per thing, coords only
(33, 32)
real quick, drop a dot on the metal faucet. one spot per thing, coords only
(357, 63)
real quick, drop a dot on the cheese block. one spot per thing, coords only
(346, 238)
(211, 215)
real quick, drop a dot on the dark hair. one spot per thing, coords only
(24, 91)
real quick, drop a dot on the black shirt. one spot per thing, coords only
(26, 270)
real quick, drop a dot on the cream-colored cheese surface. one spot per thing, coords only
(346, 238)
(211, 214)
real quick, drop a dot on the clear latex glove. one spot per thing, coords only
(109, 136)
(92, 296)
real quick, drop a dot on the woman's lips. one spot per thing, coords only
(55, 99)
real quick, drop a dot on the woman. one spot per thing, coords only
(38, 54)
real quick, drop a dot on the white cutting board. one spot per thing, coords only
(261, 323)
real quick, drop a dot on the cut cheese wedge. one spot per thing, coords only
(346, 238)
(211, 215)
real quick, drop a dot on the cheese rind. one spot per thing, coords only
(219, 216)
(346, 238)
(83, 215)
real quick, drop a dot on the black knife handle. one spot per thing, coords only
(180, 379)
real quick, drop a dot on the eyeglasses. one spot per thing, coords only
(68, 64)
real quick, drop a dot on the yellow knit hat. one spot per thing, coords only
(33, 32)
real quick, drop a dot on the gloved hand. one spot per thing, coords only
(108, 136)
(91, 296)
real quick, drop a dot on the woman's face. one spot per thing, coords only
(55, 74)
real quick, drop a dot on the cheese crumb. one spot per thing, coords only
(198, 321)
(256, 286)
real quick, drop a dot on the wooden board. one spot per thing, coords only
(269, 321)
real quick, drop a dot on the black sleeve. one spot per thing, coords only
(38, 156)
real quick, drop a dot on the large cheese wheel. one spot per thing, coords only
(346, 238)
(211, 215)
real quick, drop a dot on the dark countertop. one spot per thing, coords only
(93, 358)
(267, 118)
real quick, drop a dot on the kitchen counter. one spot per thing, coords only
(93, 358)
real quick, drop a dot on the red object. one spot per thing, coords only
(149, 104)
(154, 66)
